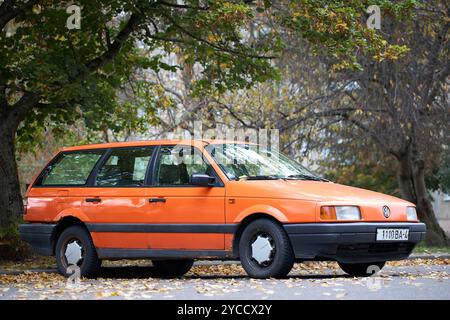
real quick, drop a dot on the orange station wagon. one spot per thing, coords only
(176, 201)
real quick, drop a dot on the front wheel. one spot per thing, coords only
(172, 268)
(361, 269)
(265, 250)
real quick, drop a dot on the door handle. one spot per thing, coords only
(153, 200)
(94, 200)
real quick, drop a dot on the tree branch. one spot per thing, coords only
(149, 34)
(234, 115)
(373, 136)
(341, 112)
(429, 77)
(118, 43)
(181, 6)
(213, 45)
(30, 100)
(440, 78)
(8, 12)
(19, 110)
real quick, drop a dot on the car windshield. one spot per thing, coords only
(253, 162)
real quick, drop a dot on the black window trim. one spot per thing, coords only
(218, 183)
(150, 175)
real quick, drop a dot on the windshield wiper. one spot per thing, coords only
(262, 178)
(306, 177)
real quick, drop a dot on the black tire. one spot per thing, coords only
(281, 258)
(89, 264)
(172, 268)
(361, 269)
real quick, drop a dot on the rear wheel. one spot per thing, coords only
(362, 269)
(265, 250)
(172, 268)
(74, 248)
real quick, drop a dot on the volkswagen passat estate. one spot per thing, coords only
(176, 201)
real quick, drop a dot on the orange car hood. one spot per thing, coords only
(306, 190)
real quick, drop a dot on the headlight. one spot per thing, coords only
(340, 213)
(348, 213)
(411, 213)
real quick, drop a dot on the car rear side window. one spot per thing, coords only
(70, 169)
(125, 167)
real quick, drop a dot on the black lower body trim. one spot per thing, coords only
(39, 236)
(106, 253)
(351, 242)
(161, 228)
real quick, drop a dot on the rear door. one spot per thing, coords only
(186, 216)
(117, 198)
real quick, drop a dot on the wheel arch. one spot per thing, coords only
(63, 224)
(244, 223)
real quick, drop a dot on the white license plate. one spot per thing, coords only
(392, 234)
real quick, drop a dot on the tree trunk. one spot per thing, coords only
(11, 205)
(405, 180)
(435, 235)
(411, 180)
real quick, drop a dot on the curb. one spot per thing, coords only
(17, 272)
(218, 262)
(429, 256)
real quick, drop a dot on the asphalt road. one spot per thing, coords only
(421, 279)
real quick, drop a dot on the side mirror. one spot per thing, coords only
(203, 180)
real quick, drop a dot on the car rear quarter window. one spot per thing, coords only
(70, 169)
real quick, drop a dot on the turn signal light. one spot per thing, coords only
(328, 213)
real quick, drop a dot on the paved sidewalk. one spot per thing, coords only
(410, 279)
(424, 256)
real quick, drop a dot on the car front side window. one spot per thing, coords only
(177, 164)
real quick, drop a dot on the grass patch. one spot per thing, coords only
(421, 248)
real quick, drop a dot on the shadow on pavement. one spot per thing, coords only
(137, 272)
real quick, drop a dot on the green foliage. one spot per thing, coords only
(229, 42)
(440, 177)
(374, 177)
(11, 232)
(422, 248)
(358, 162)
(11, 246)
(44, 57)
(340, 28)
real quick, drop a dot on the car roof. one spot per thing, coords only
(142, 143)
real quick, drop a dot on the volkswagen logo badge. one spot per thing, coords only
(386, 211)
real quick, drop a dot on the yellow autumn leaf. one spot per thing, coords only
(60, 38)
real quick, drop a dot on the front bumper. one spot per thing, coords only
(351, 242)
(40, 237)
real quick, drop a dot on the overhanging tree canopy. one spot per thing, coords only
(48, 70)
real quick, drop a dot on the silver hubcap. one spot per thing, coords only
(262, 249)
(73, 253)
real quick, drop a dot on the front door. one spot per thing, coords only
(188, 217)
